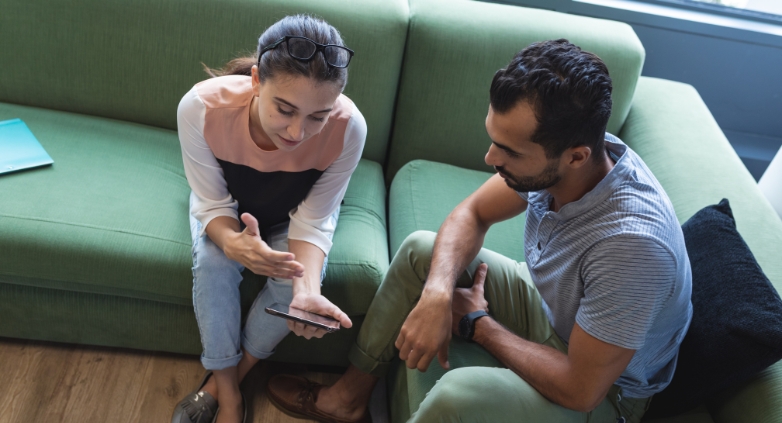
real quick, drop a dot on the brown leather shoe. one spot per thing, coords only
(296, 397)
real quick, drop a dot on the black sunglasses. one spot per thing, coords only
(304, 49)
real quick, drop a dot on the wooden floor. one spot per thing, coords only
(49, 382)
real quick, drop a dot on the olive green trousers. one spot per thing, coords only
(475, 393)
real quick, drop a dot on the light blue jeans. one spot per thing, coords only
(216, 280)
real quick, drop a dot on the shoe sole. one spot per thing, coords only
(288, 412)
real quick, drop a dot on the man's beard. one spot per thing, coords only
(548, 178)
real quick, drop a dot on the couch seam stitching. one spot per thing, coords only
(95, 228)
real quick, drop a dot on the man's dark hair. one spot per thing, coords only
(569, 90)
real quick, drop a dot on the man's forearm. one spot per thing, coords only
(545, 368)
(458, 242)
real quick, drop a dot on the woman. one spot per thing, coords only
(268, 147)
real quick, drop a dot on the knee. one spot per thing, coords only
(415, 252)
(454, 395)
(209, 260)
(418, 244)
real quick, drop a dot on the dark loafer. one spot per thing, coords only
(296, 397)
(197, 407)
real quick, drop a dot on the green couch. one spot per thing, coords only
(96, 248)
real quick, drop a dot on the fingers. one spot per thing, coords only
(251, 224)
(400, 341)
(414, 357)
(274, 272)
(442, 356)
(279, 257)
(480, 276)
(306, 331)
(336, 313)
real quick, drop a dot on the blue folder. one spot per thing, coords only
(19, 149)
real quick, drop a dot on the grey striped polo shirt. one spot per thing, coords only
(615, 263)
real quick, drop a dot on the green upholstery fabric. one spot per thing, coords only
(673, 131)
(109, 217)
(422, 195)
(699, 415)
(58, 315)
(671, 128)
(133, 60)
(759, 400)
(109, 220)
(453, 50)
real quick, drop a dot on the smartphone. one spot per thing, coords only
(308, 318)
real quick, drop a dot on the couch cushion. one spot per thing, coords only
(134, 59)
(454, 49)
(422, 195)
(111, 216)
(736, 328)
(671, 128)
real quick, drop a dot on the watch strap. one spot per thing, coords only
(472, 317)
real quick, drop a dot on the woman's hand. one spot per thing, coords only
(252, 252)
(318, 304)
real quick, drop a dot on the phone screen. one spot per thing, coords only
(306, 317)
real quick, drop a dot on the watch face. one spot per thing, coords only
(464, 327)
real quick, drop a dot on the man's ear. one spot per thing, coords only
(578, 156)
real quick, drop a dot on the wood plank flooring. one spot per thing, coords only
(50, 382)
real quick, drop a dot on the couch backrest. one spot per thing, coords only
(134, 59)
(453, 50)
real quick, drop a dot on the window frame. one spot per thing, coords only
(719, 9)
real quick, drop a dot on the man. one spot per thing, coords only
(589, 327)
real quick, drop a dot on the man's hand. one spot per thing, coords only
(318, 304)
(426, 332)
(252, 252)
(467, 300)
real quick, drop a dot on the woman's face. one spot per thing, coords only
(291, 109)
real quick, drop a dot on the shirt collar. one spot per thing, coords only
(541, 200)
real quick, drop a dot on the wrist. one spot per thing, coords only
(437, 292)
(481, 328)
(303, 287)
(226, 241)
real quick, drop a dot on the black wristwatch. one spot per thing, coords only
(467, 324)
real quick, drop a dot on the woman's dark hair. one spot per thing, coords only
(278, 61)
(569, 90)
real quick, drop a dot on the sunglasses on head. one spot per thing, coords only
(304, 49)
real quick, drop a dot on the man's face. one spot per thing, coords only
(521, 162)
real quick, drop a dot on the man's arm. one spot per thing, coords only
(578, 380)
(461, 236)
(427, 329)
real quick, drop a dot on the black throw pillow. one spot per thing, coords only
(736, 328)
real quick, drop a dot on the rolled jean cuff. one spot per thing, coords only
(367, 364)
(260, 355)
(221, 363)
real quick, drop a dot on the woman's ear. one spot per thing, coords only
(256, 81)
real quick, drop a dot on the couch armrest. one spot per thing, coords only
(671, 128)
(757, 401)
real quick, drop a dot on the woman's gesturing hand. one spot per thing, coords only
(318, 304)
(252, 252)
